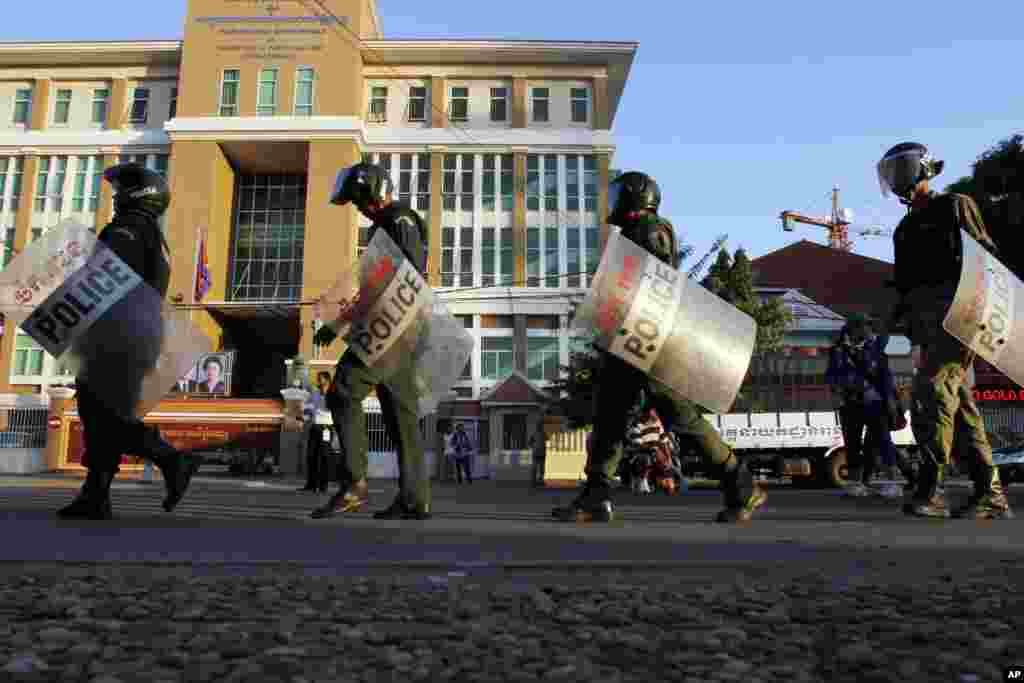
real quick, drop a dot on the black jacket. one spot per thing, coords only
(137, 240)
(407, 229)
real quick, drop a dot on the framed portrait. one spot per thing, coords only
(211, 376)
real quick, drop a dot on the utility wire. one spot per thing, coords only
(360, 46)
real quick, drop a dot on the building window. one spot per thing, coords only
(88, 173)
(269, 235)
(229, 86)
(50, 183)
(100, 103)
(160, 163)
(542, 257)
(22, 105)
(457, 185)
(508, 178)
(573, 265)
(542, 358)
(499, 104)
(172, 108)
(497, 257)
(541, 102)
(414, 180)
(11, 169)
(417, 104)
(457, 257)
(579, 103)
(378, 104)
(496, 357)
(590, 182)
(513, 437)
(28, 357)
(266, 94)
(535, 189)
(572, 183)
(140, 106)
(304, 79)
(62, 107)
(551, 253)
(458, 108)
(592, 235)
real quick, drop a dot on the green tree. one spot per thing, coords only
(733, 280)
(717, 279)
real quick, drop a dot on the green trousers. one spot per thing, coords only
(619, 387)
(943, 410)
(353, 382)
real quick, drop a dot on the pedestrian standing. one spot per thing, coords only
(463, 454)
(859, 372)
(318, 441)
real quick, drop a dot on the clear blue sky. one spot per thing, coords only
(739, 109)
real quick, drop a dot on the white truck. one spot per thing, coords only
(804, 446)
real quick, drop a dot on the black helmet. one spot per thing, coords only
(904, 166)
(632, 191)
(137, 188)
(361, 184)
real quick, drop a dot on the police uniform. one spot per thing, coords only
(620, 385)
(107, 396)
(396, 388)
(927, 272)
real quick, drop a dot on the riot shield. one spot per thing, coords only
(399, 325)
(656, 319)
(986, 314)
(93, 313)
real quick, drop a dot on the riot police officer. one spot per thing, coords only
(369, 188)
(106, 395)
(927, 272)
(633, 200)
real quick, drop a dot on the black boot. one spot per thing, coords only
(593, 504)
(402, 509)
(989, 499)
(93, 501)
(177, 467)
(348, 499)
(742, 495)
(929, 499)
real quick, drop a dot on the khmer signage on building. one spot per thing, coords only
(271, 36)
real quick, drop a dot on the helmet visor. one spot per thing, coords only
(899, 173)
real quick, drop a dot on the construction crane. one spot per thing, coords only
(699, 267)
(838, 225)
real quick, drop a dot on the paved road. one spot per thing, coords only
(488, 524)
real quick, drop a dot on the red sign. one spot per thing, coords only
(193, 435)
(54, 422)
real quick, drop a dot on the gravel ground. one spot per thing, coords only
(153, 624)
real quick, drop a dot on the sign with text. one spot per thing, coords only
(87, 308)
(273, 35)
(664, 324)
(396, 322)
(192, 436)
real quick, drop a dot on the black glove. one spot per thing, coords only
(324, 336)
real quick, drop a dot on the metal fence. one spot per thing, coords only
(23, 419)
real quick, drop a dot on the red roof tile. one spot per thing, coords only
(843, 281)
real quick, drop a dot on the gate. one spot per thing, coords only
(23, 427)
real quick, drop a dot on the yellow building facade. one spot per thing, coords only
(504, 147)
